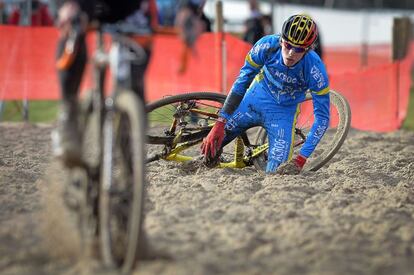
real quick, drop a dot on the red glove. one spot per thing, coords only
(213, 141)
(299, 161)
(292, 167)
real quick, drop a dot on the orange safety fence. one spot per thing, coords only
(349, 58)
(29, 63)
(377, 96)
(378, 92)
(27, 70)
(203, 72)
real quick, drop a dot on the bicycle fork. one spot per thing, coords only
(108, 143)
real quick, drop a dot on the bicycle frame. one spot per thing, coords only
(240, 159)
(112, 133)
(179, 143)
(101, 62)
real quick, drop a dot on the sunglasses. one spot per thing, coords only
(295, 49)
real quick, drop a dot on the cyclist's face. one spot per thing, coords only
(291, 55)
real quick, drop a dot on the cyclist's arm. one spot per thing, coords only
(254, 61)
(321, 109)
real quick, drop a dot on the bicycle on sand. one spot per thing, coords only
(109, 181)
(178, 124)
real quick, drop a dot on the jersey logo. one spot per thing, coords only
(318, 76)
(286, 78)
(256, 49)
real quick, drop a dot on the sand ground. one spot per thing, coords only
(354, 216)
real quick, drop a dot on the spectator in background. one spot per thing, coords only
(40, 15)
(3, 15)
(169, 19)
(318, 47)
(167, 11)
(267, 24)
(253, 25)
(205, 20)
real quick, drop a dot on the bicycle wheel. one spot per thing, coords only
(80, 198)
(330, 143)
(181, 121)
(122, 183)
(81, 187)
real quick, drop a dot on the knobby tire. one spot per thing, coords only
(128, 118)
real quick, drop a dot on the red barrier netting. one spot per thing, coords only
(203, 71)
(378, 93)
(350, 58)
(27, 70)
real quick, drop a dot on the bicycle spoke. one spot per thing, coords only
(192, 117)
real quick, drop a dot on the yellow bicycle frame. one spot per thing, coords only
(239, 161)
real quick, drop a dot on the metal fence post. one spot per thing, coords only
(219, 28)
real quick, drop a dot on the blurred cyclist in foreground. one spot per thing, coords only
(136, 16)
(277, 72)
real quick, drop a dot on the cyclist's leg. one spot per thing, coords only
(248, 114)
(67, 139)
(70, 78)
(280, 123)
(138, 70)
(243, 118)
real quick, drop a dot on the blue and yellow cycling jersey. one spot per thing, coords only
(266, 84)
(287, 85)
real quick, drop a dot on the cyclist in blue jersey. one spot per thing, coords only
(137, 16)
(277, 72)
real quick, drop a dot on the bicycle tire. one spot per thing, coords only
(160, 115)
(82, 183)
(331, 141)
(122, 183)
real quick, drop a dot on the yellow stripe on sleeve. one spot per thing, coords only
(251, 62)
(323, 92)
